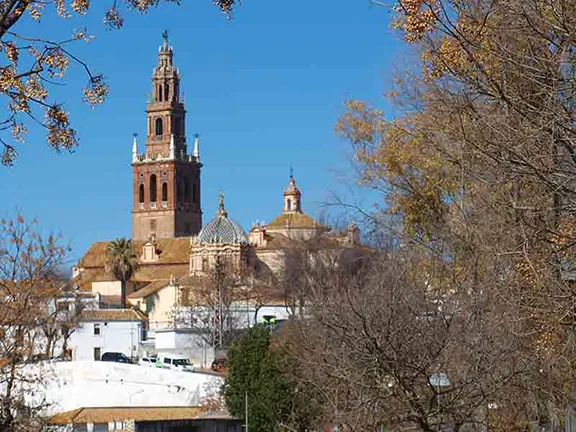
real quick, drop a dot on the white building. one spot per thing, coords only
(107, 330)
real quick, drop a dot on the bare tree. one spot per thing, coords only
(385, 344)
(28, 290)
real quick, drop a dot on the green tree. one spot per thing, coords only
(254, 372)
(123, 262)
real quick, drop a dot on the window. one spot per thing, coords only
(186, 189)
(179, 192)
(153, 188)
(167, 92)
(164, 191)
(160, 93)
(97, 353)
(100, 427)
(288, 204)
(194, 193)
(178, 127)
(167, 360)
(159, 126)
(204, 264)
(96, 329)
(152, 224)
(141, 194)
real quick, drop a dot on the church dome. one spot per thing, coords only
(221, 229)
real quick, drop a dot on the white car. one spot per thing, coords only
(147, 361)
(175, 362)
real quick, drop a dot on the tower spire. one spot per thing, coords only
(135, 149)
(196, 152)
(172, 147)
(292, 196)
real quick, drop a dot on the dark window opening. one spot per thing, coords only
(178, 127)
(164, 192)
(153, 188)
(186, 189)
(141, 194)
(96, 329)
(160, 93)
(159, 127)
(289, 204)
(167, 93)
(179, 192)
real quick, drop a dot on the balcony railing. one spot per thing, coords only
(153, 205)
(164, 204)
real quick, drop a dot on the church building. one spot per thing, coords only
(177, 253)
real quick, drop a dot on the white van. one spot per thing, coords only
(174, 362)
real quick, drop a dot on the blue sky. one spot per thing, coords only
(264, 91)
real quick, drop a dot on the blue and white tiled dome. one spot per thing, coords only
(221, 229)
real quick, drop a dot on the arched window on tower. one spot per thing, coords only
(153, 188)
(179, 192)
(289, 204)
(178, 126)
(165, 192)
(167, 92)
(159, 93)
(159, 126)
(186, 189)
(141, 194)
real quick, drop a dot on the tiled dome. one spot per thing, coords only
(221, 229)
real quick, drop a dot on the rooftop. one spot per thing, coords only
(112, 315)
(105, 414)
(294, 220)
(221, 229)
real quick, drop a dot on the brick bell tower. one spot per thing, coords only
(166, 178)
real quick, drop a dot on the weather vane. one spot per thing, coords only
(165, 36)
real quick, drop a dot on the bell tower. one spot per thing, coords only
(166, 178)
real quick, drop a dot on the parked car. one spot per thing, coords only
(148, 361)
(174, 362)
(219, 364)
(115, 357)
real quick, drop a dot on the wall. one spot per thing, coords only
(109, 288)
(115, 336)
(161, 314)
(77, 384)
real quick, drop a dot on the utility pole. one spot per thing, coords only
(246, 410)
(219, 283)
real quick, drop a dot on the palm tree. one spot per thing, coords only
(123, 262)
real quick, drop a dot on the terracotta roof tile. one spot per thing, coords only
(153, 272)
(138, 414)
(112, 315)
(171, 251)
(294, 220)
(151, 288)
